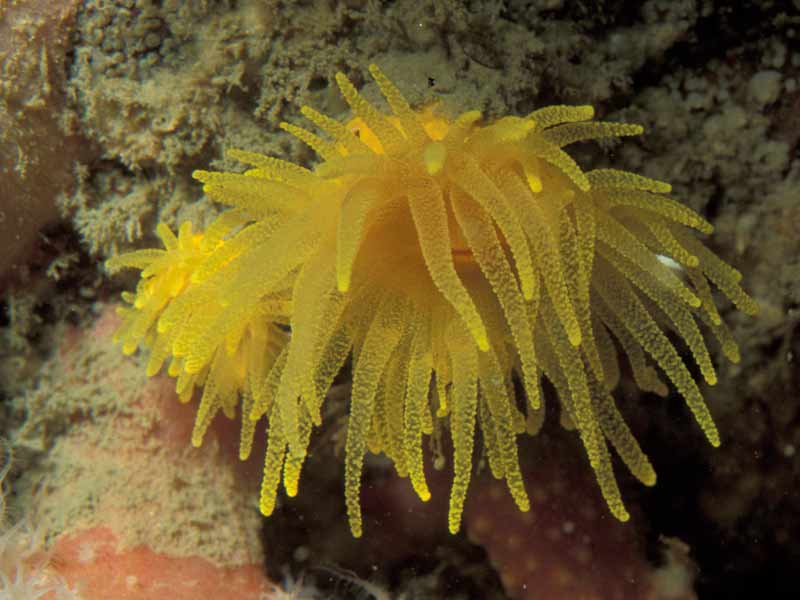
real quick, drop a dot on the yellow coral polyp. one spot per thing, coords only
(231, 372)
(447, 257)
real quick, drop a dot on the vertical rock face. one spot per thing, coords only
(37, 147)
(114, 460)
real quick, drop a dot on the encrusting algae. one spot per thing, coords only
(449, 257)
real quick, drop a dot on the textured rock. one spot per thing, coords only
(38, 148)
(114, 452)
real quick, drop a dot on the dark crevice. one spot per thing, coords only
(714, 37)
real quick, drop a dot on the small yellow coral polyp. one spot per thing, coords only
(233, 371)
(448, 256)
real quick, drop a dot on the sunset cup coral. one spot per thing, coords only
(448, 257)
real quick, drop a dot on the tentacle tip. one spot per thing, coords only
(527, 290)
(483, 342)
(297, 453)
(192, 367)
(434, 156)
